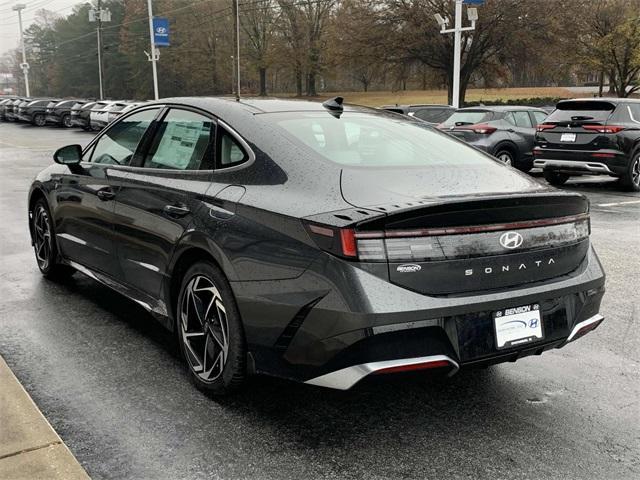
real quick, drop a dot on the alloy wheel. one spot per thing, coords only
(204, 328)
(42, 237)
(39, 120)
(66, 121)
(635, 171)
(505, 157)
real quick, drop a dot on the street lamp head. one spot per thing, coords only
(472, 14)
(18, 7)
(441, 20)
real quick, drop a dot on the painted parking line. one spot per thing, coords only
(615, 204)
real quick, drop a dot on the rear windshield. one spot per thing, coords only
(469, 117)
(583, 111)
(433, 115)
(374, 140)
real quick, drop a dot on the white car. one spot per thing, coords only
(99, 116)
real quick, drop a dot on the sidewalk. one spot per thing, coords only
(29, 447)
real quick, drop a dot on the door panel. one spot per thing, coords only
(157, 200)
(522, 132)
(83, 219)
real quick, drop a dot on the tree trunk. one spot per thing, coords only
(298, 81)
(311, 84)
(601, 83)
(263, 81)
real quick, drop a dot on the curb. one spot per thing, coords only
(29, 447)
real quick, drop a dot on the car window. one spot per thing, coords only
(119, 142)
(230, 152)
(372, 140)
(469, 117)
(522, 119)
(634, 112)
(539, 116)
(433, 115)
(591, 111)
(181, 142)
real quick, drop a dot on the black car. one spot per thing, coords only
(35, 111)
(591, 136)
(11, 109)
(506, 132)
(59, 113)
(80, 115)
(4, 102)
(318, 242)
(432, 114)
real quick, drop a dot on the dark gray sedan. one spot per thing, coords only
(507, 133)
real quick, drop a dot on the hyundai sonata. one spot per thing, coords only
(318, 242)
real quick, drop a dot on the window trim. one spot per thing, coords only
(251, 156)
(633, 119)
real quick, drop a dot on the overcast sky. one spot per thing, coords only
(9, 30)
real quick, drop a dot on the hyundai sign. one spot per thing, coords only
(161, 32)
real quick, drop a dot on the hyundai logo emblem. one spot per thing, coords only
(161, 30)
(511, 240)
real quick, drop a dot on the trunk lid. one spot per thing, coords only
(498, 234)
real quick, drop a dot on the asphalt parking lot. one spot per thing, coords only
(110, 382)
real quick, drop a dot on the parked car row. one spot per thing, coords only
(87, 114)
(579, 137)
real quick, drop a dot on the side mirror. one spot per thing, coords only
(69, 155)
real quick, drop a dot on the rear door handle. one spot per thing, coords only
(106, 194)
(176, 210)
(511, 130)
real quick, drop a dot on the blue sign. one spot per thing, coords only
(473, 2)
(161, 31)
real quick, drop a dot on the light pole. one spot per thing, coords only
(155, 53)
(99, 15)
(25, 66)
(236, 13)
(457, 30)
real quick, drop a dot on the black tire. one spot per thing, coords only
(555, 178)
(209, 330)
(506, 156)
(66, 120)
(44, 243)
(39, 120)
(631, 179)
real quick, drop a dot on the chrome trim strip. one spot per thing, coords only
(346, 378)
(589, 166)
(394, 327)
(584, 323)
(148, 266)
(71, 238)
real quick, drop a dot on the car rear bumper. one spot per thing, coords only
(363, 325)
(607, 162)
(78, 122)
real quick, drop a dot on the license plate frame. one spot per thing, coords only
(568, 137)
(518, 326)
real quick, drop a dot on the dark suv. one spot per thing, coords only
(35, 111)
(59, 113)
(433, 114)
(505, 132)
(591, 136)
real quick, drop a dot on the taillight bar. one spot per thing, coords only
(481, 128)
(545, 126)
(604, 128)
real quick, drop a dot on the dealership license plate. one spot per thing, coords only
(518, 326)
(568, 137)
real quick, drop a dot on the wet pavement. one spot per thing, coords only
(110, 382)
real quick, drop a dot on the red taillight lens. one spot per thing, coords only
(603, 155)
(545, 126)
(348, 242)
(604, 128)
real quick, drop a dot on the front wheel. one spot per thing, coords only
(631, 178)
(66, 120)
(210, 330)
(555, 178)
